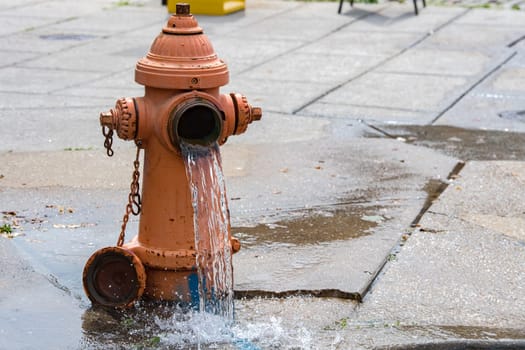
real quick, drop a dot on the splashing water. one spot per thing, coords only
(207, 331)
(212, 225)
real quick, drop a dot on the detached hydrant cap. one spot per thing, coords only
(182, 57)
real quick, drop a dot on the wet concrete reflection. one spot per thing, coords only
(465, 144)
(472, 332)
(313, 227)
(461, 338)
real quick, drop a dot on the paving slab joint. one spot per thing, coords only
(318, 293)
(428, 203)
(434, 195)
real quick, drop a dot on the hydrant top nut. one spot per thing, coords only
(182, 9)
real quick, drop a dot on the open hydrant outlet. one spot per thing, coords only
(173, 256)
(195, 122)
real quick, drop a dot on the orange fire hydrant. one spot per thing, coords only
(182, 104)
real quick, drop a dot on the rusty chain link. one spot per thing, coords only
(134, 200)
(108, 142)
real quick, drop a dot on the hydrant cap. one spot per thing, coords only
(114, 276)
(182, 57)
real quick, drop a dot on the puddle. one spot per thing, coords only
(465, 144)
(71, 37)
(313, 227)
(460, 338)
(513, 115)
(469, 332)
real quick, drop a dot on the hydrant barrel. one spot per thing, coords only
(182, 106)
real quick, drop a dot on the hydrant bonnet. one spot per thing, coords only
(182, 57)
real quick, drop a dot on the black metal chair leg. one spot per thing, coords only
(341, 5)
(415, 7)
(424, 3)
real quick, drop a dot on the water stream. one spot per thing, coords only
(212, 225)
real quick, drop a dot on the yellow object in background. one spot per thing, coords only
(209, 7)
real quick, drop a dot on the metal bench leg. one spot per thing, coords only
(340, 6)
(415, 8)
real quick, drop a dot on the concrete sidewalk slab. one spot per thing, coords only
(460, 267)
(399, 91)
(470, 38)
(501, 19)
(31, 42)
(26, 80)
(400, 18)
(111, 84)
(450, 62)
(496, 102)
(47, 134)
(25, 294)
(21, 101)
(349, 42)
(318, 68)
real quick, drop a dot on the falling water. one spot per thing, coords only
(212, 225)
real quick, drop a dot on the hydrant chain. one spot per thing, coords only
(134, 200)
(108, 141)
(134, 194)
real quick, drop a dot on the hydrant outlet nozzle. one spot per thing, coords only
(106, 119)
(245, 114)
(122, 119)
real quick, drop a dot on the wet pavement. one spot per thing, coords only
(465, 144)
(378, 201)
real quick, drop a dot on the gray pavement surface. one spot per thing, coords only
(359, 229)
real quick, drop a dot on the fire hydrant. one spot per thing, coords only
(181, 105)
